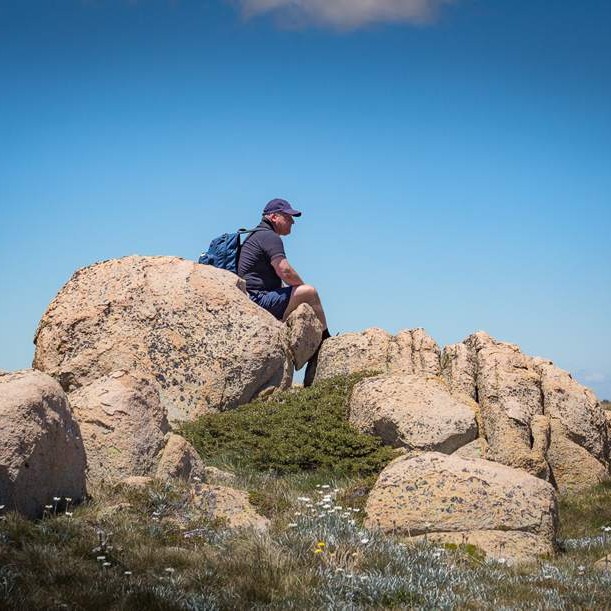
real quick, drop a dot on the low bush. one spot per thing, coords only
(297, 430)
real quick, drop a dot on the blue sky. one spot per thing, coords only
(452, 159)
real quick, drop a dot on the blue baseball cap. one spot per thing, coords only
(280, 205)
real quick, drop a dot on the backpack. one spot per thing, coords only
(224, 251)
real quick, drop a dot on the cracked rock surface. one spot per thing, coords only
(410, 351)
(533, 415)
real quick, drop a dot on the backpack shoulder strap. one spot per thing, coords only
(242, 230)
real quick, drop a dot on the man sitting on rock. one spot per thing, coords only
(264, 267)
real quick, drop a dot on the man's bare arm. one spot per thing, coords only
(286, 272)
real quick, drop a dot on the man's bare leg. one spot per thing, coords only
(304, 293)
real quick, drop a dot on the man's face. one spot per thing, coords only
(283, 222)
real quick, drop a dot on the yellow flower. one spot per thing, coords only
(320, 544)
(318, 550)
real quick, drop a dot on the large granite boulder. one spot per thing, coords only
(504, 511)
(413, 412)
(123, 425)
(410, 351)
(534, 416)
(191, 327)
(41, 451)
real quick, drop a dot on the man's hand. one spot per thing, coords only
(286, 272)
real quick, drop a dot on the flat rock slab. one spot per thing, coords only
(448, 497)
(414, 412)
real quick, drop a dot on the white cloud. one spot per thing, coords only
(344, 14)
(588, 376)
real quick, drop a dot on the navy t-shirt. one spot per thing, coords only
(256, 256)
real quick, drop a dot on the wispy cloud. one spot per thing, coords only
(598, 381)
(344, 14)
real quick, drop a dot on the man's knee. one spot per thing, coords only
(306, 292)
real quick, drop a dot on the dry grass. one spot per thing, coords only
(145, 550)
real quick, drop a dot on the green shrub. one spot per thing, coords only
(297, 430)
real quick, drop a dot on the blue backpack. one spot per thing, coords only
(224, 251)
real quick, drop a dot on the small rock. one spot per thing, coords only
(229, 505)
(604, 564)
(136, 482)
(180, 460)
(213, 475)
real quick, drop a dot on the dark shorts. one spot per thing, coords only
(273, 301)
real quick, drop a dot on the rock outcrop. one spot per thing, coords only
(123, 425)
(189, 326)
(413, 412)
(41, 451)
(304, 334)
(534, 416)
(410, 351)
(504, 511)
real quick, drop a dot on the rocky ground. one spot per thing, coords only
(146, 543)
(408, 475)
